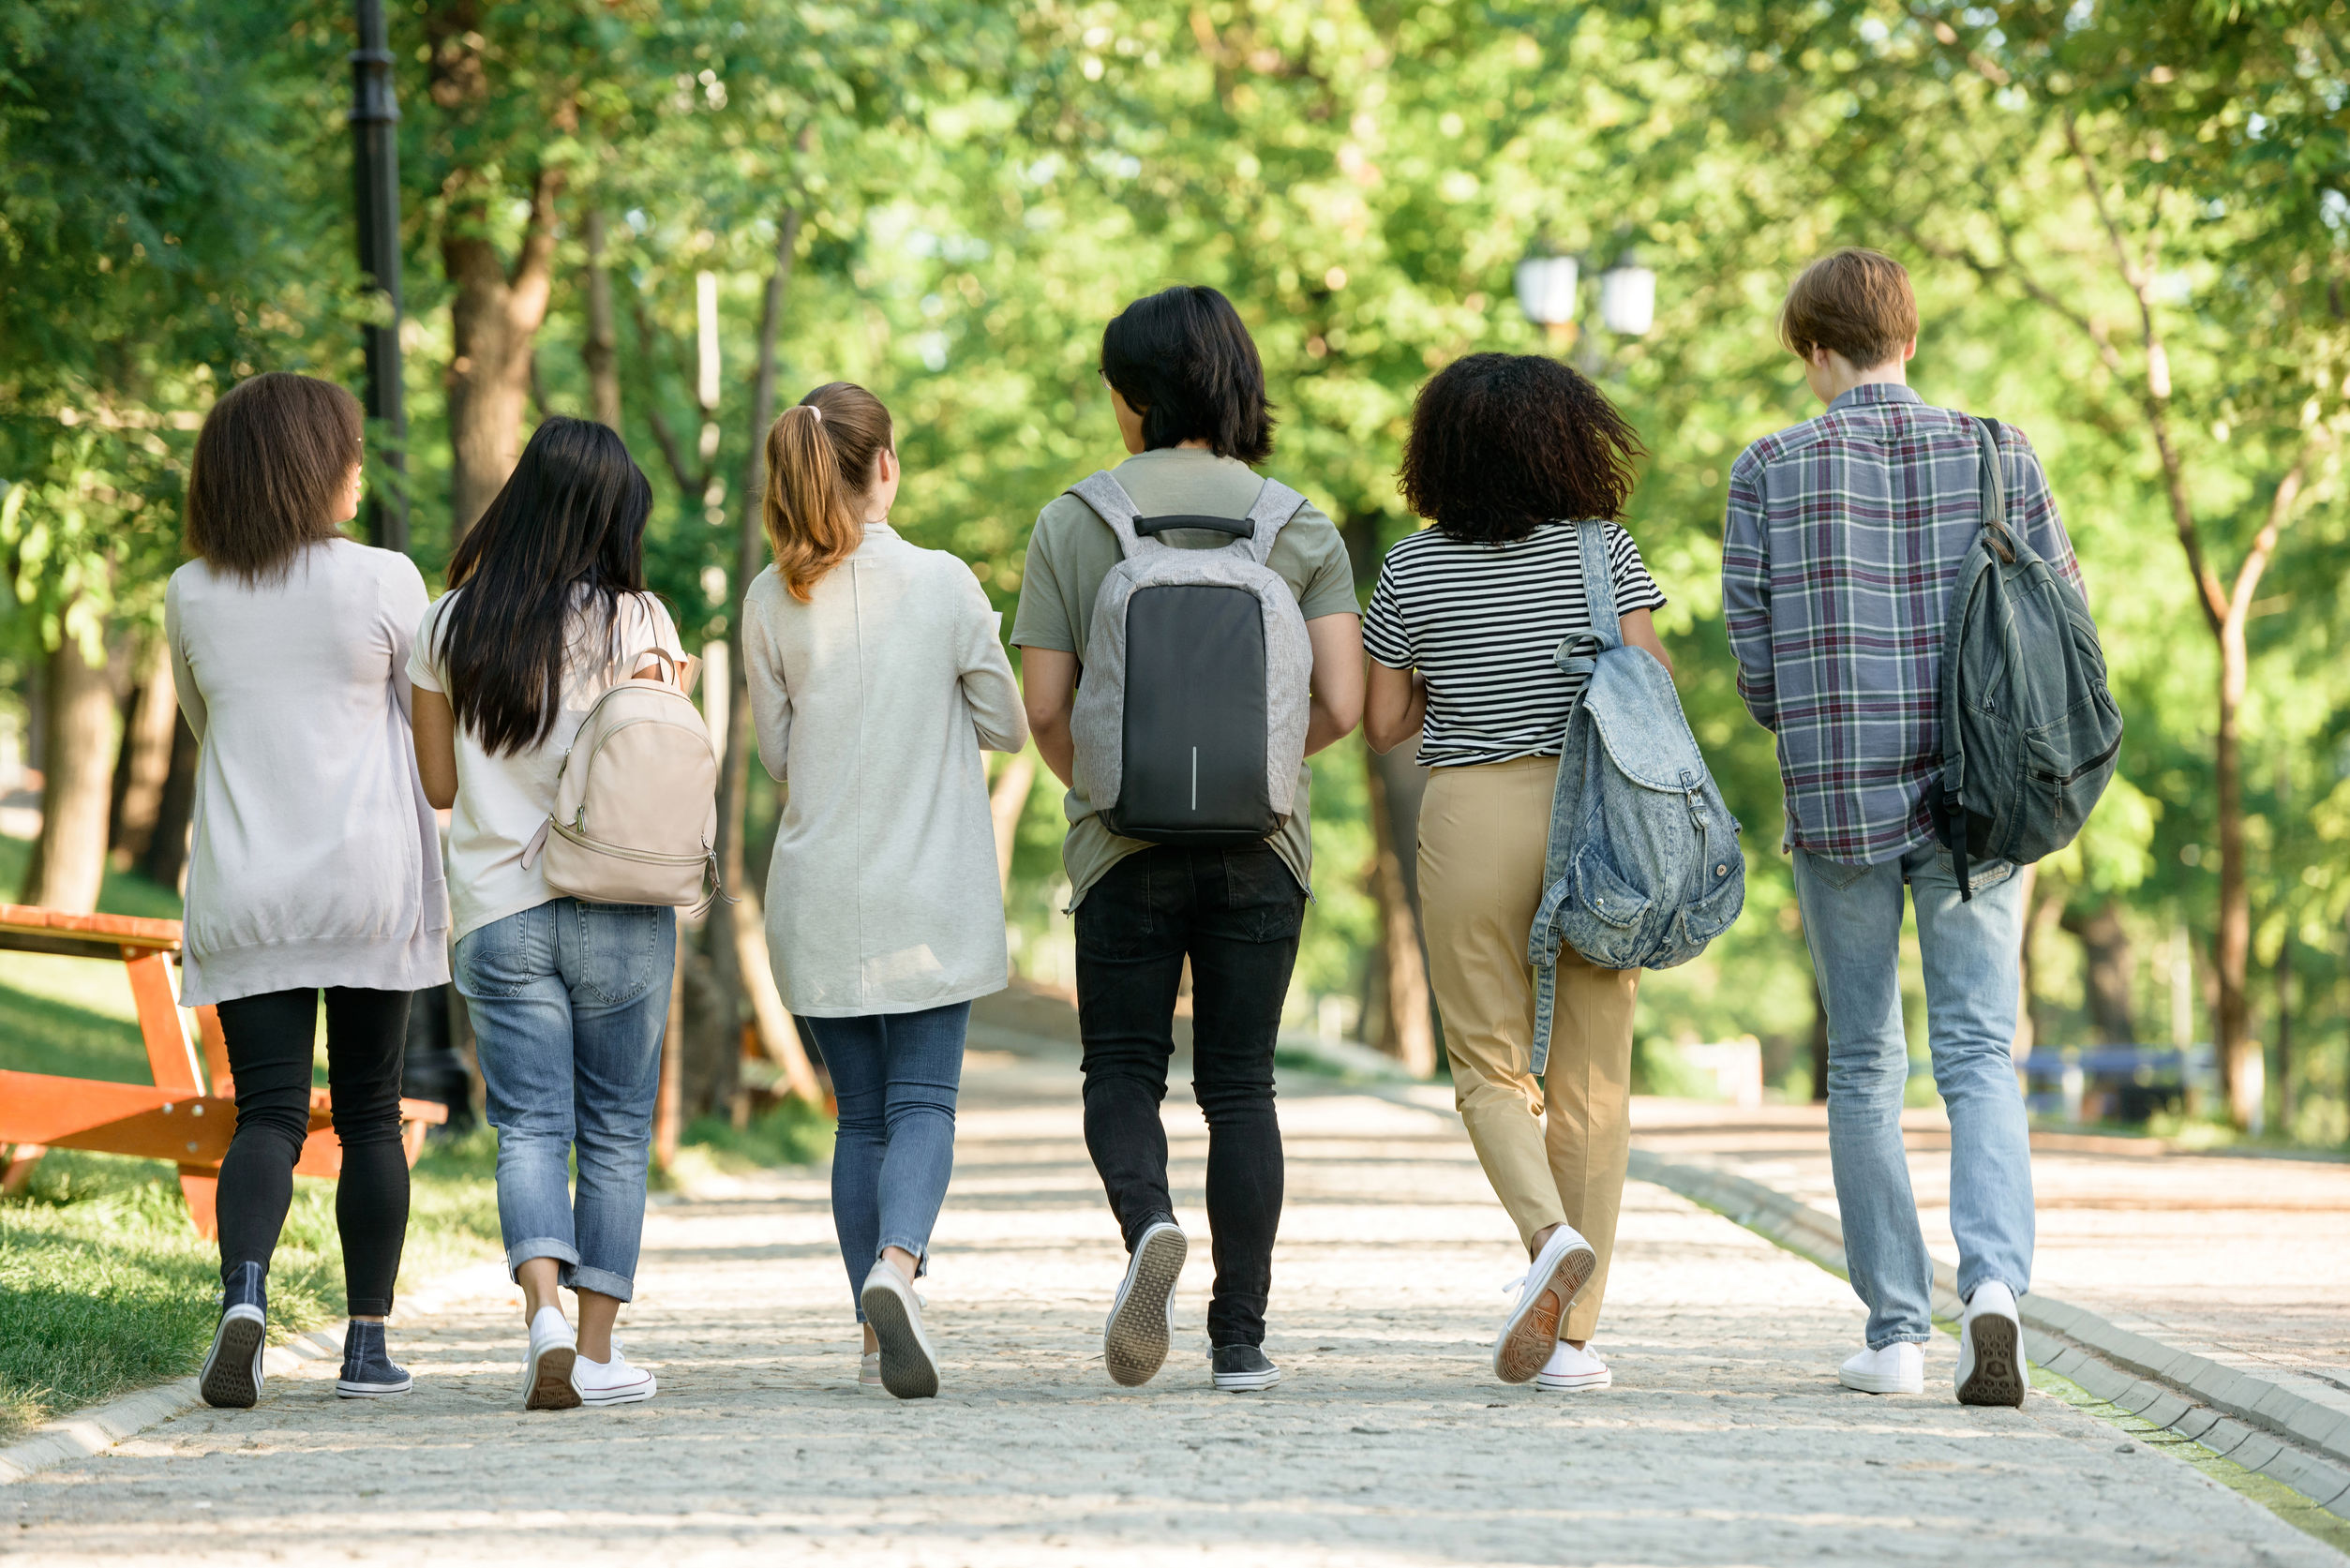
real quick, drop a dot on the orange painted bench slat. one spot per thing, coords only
(174, 1119)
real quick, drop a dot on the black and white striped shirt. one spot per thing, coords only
(1482, 622)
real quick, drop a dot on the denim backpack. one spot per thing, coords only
(1643, 868)
(2029, 732)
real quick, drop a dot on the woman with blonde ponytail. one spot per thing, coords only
(876, 675)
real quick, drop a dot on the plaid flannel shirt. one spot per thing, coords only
(1842, 540)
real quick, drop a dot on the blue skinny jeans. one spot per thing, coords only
(896, 1076)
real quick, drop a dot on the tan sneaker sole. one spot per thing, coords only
(1134, 1341)
(1524, 1346)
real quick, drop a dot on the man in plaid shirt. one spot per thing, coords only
(1843, 538)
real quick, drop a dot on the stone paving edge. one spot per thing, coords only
(2255, 1422)
(94, 1428)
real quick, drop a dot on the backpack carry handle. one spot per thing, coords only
(1239, 528)
(1994, 488)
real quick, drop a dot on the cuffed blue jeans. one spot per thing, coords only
(568, 1002)
(896, 1076)
(1971, 951)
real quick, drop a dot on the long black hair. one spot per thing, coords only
(564, 538)
(1183, 360)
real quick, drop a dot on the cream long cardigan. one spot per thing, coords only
(871, 702)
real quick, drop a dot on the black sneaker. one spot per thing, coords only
(231, 1378)
(368, 1370)
(1242, 1369)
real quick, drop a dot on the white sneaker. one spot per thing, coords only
(1142, 1320)
(1897, 1368)
(611, 1382)
(1569, 1370)
(1545, 1291)
(869, 1370)
(546, 1371)
(1991, 1365)
(909, 1369)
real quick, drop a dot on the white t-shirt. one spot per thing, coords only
(503, 800)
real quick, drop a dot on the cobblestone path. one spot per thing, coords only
(1724, 1442)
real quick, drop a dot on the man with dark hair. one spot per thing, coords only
(1843, 539)
(1188, 394)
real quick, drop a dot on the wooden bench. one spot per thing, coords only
(176, 1119)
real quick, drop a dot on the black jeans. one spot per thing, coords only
(1235, 914)
(271, 1041)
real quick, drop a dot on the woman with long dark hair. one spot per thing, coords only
(876, 679)
(1507, 453)
(546, 608)
(315, 864)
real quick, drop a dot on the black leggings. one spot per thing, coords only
(271, 1041)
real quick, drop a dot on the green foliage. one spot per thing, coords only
(977, 189)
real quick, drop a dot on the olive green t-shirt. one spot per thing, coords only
(1073, 550)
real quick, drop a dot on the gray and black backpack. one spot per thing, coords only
(1189, 722)
(2030, 731)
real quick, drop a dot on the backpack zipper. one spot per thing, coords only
(2090, 766)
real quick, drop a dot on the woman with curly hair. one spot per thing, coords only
(1507, 453)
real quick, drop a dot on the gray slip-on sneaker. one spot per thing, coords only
(1142, 1320)
(1243, 1368)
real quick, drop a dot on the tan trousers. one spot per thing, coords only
(1483, 835)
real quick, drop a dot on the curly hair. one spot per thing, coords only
(1503, 443)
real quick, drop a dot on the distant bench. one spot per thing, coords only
(175, 1119)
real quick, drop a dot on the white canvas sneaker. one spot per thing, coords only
(611, 1382)
(547, 1370)
(1895, 1368)
(1991, 1365)
(1134, 1341)
(1545, 1291)
(1570, 1370)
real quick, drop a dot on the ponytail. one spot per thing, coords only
(821, 454)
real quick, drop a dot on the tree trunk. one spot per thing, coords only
(2110, 967)
(2285, 1034)
(1819, 1045)
(602, 350)
(144, 763)
(1006, 801)
(728, 938)
(167, 846)
(495, 312)
(69, 860)
(1406, 1031)
(2231, 943)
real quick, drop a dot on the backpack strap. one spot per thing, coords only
(1109, 501)
(1993, 485)
(1274, 506)
(1599, 589)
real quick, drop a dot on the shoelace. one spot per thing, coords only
(1519, 1283)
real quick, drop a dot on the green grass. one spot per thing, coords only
(104, 1286)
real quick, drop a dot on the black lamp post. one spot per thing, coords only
(375, 116)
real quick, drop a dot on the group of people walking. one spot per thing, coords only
(1178, 612)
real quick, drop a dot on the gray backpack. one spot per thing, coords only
(2029, 732)
(1189, 722)
(1644, 867)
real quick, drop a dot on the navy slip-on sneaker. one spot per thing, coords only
(231, 1376)
(368, 1370)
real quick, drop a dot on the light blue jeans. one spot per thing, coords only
(569, 1001)
(1971, 951)
(896, 1076)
